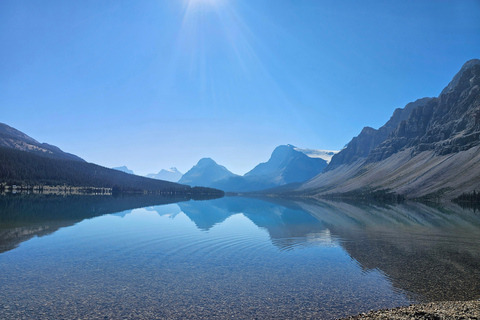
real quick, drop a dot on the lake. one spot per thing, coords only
(105, 257)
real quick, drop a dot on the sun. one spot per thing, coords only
(205, 2)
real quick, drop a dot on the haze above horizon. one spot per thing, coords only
(160, 84)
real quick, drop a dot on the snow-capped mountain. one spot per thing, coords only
(171, 174)
(123, 169)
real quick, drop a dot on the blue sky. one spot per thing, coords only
(156, 84)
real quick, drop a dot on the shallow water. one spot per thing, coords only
(88, 257)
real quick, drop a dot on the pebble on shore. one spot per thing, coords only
(448, 310)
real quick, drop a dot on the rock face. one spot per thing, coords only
(286, 165)
(172, 175)
(428, 149)
(124, 169)
(15, 139)
(447, 124)
(361, 146)
(205, 173)
(469, 64)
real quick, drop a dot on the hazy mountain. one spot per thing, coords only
(431, 150)
(171, 174)
(15, 139)
(286, 165)
(124, 169)
(205, 173)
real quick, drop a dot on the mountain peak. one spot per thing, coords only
(467, 65)
(205, 173)
(288, 164)
(206, 162)
(172, 175)
(282, 151)
(15, 139)
(124, 169)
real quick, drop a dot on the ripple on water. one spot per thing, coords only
(150, 266)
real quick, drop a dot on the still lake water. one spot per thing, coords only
(145, 258)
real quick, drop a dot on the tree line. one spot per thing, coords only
(24, 168)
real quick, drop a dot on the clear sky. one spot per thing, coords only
(155, 84)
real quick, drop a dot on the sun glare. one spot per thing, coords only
(205, 2)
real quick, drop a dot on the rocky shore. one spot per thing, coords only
(448, 310)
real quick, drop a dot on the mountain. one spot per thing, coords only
(361, 146)
(171, 174)
(287, 164)
(15, 139)
(205, 173)
(123, 169)
(39, 168)
(429, 149)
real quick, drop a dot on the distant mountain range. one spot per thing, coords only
(430, 149)
(123, 169)
(26, 162)
(287, 164)
(171, 174)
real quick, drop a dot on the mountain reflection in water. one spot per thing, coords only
(425, 253)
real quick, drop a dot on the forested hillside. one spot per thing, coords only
(26, 168)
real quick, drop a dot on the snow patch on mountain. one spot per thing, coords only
(172, 175)
(322, 154)
(124, 169)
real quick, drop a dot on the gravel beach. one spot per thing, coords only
(434, 310)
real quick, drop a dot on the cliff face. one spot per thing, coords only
(447, 124)
(429, 148)
(361, 146)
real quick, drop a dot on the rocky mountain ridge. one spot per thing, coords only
(15, 139)
(431, 149)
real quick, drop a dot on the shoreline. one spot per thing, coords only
(451, 310)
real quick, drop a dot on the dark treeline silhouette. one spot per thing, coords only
(469, 200)
(24, 168)
(469, 197)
